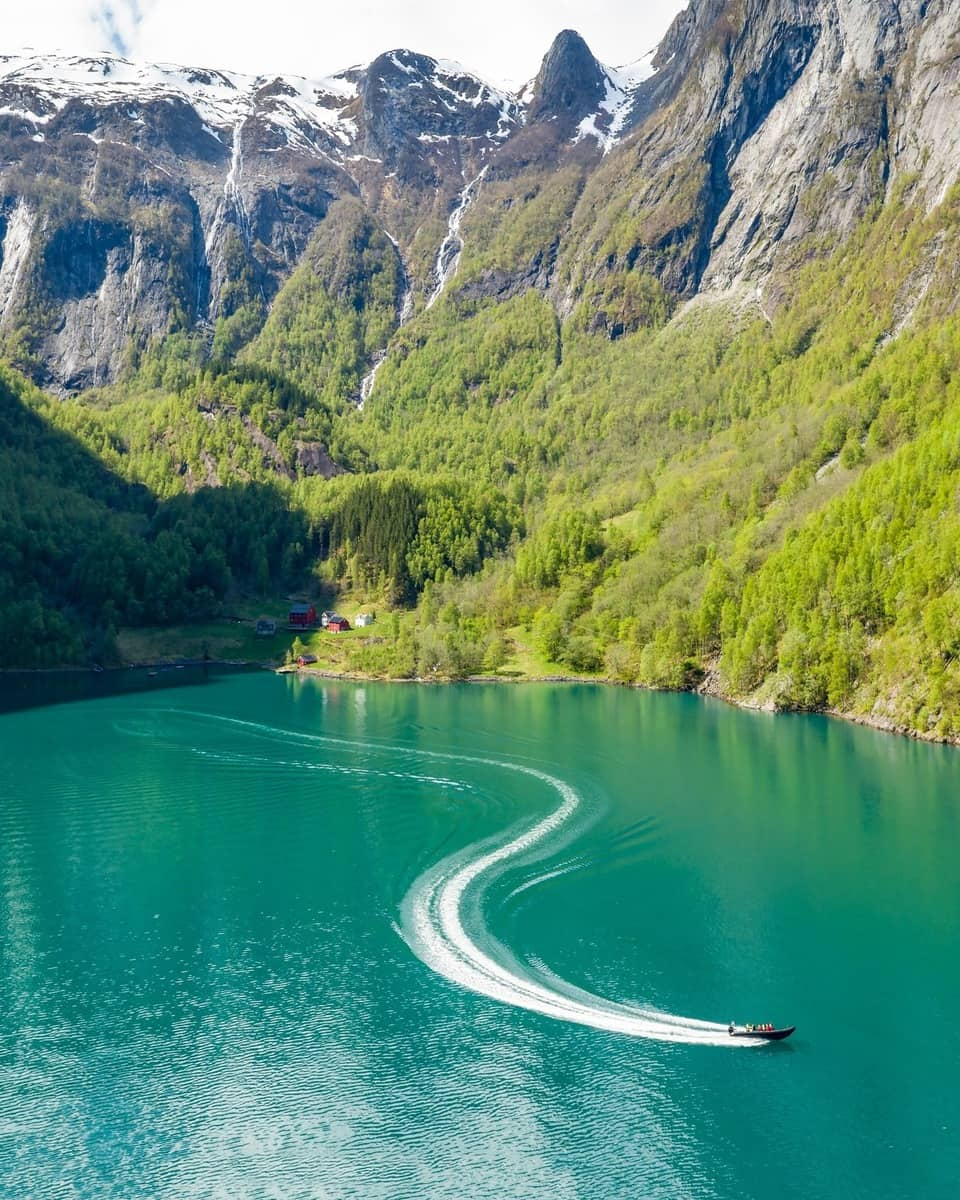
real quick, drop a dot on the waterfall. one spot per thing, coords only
(448, 258)
(366, 384)
(232, 197)
(231, 188)
(380, 356)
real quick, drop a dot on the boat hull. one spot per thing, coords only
(768, 1035)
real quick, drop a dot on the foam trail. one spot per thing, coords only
(435, 932)
(433, 927)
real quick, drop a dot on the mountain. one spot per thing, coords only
(650, 371)
(134, 197)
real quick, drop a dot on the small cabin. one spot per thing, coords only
(266, 627)
(302, 616)
(363, 620)
(325, 618)
(304, 660)
(337, 624)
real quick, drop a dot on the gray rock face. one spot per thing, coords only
(138, 199)
(410, 102)
(570, 85)
(96, 275)
(768, 126)
(135, 200)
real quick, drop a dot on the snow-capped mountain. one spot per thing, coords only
(135, 200)
(170, 182)
(37, 88)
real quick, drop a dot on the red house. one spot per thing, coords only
(338, 624)
(302, 616)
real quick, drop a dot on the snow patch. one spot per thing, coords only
(607, 124)
(221, 99)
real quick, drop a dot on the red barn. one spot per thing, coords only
(302, 616)
(338, 625)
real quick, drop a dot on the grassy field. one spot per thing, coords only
(234, 639)
(526, 662)
(226, 640)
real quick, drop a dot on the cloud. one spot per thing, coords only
(499, 39)
(50, 25)
(119, 22)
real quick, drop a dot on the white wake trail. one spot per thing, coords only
(433, 927)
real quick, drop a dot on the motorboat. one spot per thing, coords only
(766, 1032)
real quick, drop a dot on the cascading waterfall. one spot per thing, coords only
(451, 248)
(232, 198)
(380, 357)
(432, 920)
(447, 265)
(367, 382)
(231, 188)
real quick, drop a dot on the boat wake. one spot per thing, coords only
(433, 926)
(432, 916)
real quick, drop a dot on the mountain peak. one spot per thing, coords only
(570, 84)
(414, 99)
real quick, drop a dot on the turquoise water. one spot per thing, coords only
(264, 937)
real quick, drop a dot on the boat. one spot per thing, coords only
(768, 1033)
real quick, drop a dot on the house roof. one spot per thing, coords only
(301, 608)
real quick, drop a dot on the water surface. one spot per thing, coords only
(213, 982)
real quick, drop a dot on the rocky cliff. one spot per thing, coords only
(139, 200)
(768, 130)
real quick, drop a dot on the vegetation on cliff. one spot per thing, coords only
(765, 500)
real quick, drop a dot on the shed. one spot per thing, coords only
(304, 660)
(302, 616)
(337, 624)
(363, 620)
(266, 627)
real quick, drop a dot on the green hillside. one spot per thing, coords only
(764, 503)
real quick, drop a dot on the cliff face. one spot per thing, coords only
(770, 127)
(138, 200)
(862, 118)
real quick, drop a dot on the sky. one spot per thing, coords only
(500, 40)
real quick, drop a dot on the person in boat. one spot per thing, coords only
(732, 1028)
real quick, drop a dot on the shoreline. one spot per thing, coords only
(878, 724)
(707, 689)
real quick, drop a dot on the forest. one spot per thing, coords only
(762, 504)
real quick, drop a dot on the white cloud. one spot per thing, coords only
(50, 25)
(499, 39)
(119, 21)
